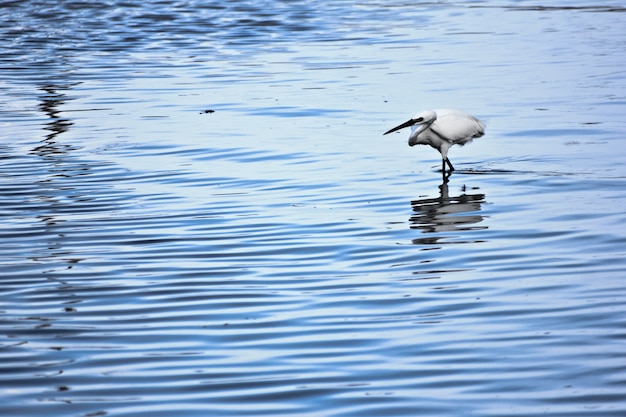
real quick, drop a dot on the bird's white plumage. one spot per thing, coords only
(456, 126)
(441, 129)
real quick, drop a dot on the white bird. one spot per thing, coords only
(441, 129)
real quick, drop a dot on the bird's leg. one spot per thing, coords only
(449, 164)
(445, 177)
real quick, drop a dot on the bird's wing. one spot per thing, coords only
(458, 127)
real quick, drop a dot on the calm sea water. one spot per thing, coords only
(200, 215)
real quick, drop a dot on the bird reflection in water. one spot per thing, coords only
(444, 214)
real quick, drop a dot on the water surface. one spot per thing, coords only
(200, 215)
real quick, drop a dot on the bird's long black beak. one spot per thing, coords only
(402, 126)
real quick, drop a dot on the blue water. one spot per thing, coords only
(200, 215)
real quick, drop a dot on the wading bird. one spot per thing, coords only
(441, 129)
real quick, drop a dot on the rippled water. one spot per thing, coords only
(200, 215)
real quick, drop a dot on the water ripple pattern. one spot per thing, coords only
(200, 216)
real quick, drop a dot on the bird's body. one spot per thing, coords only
(441, 129)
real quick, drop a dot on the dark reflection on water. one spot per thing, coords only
(446, 214)
(53, 98)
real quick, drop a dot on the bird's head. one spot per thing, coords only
(423, 118)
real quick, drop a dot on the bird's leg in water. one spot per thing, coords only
(445, 177)
(449, 164)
